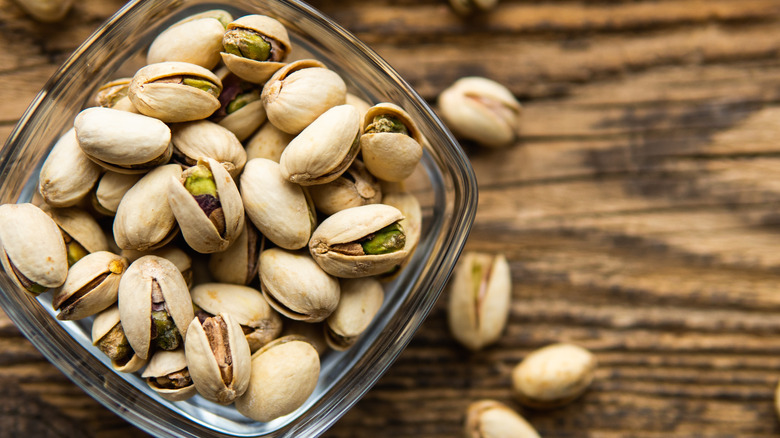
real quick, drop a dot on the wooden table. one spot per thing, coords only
(640, 213)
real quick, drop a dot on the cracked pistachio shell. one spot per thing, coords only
(113, 95)
(238, 264)
(353, 188)
(348, 226)
(272, 32)
(144, 220)
(157, 91)
(296, 286)
(204, 139)
(391, 156)
(33, 252)
(46, 11)
(218, 358)
(553, 376)
(196, 41)
(492, 419)
(467, 7)
(67, 174)
(165, 363)
(482, 110)
(179, 258)
(136, 289)
(360, 301)
(103, 323)
(245, 305)
(325, 149)
(241, 109)
(278, 208)
(411, 224)
(480, 295)
(80, 226)
(284, 375)
(91, 286)
(268, 142)
(122, 141)
(198, 230)
(111, 188)
(300, 92)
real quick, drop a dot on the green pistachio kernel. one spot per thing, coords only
(115, 344)
(387, 123)
(389, 239)
(167, 335)
(202, 84)
(247, 44)
(201, 181)
(243, 100)
(75, 252)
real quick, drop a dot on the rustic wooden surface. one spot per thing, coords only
(640, 213)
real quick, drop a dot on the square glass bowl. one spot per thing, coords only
(444, 183)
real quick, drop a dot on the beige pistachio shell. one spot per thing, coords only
(274, 32)
(245, 121)
(553, 376)
(165, 363)
(204, 139)
(91, 286)
(479, 299)
(409, 206)
(482, 110)
(67, 174)
(221, 15)
(268, 142)
(121, 141)
(33, 252)
(278, 208)
(135, 300)
(247, 307)
(296, 286)
(218, 358)
(360, 301)
(348, 226)
(353, 188)
(46, 11)
(300, 92)
(197, 229)
(80, 226)
(110, 93)
(144, 220)
(492, 419)
(153, 94)
(325, 149)
(390, 156)
(284, 375)
(196, 41)
(361, 105)
(238, 264)
(173, 254)
(111, 188)
(103, 323)
(313, 332)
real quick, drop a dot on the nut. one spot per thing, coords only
(91, 286)
(391, 144)
(168, 375)
(109, 337)
(67, 174)
(241, 110)
(204, 139)
(360, 301)
(80, 231)
(553, 376)
(238, 264)
(268, 142)
(255, 46)
(493, 419)
(353, 188)
(110, 190)
(196, 41)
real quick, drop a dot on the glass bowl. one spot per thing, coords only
(444, 183)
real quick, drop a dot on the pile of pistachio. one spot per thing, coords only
(297, 225)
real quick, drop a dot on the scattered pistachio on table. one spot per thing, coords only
(493, 419)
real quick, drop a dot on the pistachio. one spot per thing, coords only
(179, 258)
(353, 188)
(255, 46)
(168, 375)
(238, 264)
(33, 252)
(241, 110)
(391, 144)
(479, 300)
(360, 301)
(80, 231)
(218, 358)
(360, 241)
(109, 337)
(110, 93)
(204, 139)
(409, 206)
(553, 376)
(482, 110)
(247, 44)
(91, 286)
(296, 286)
(196, 41)
(493, 419)
(284, 374)
(268, 142)
(324, 149)
(111, 188)
(300, 92)
(313, 332)
(224, 17)
(67, 174)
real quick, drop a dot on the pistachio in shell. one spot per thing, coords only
(359, 241)
(391, 144)
(300, 92)
(218, 358)
(91, 286)
(33, 252)
(113, 94)
(110, 189)
(168, 375)
(324, 149)
(175, 91)
(67, 174)
(284, 375)
(121, 141)
(268, 142)
(172, 253)
(254, 47)
(109, 337)
(200, 139)
(493, 419)
(353, 188)
(196, 41)
(360, 301)
(238, 264)
(409, 206)
(241, 110)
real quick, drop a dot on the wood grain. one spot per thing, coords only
(639, 212)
